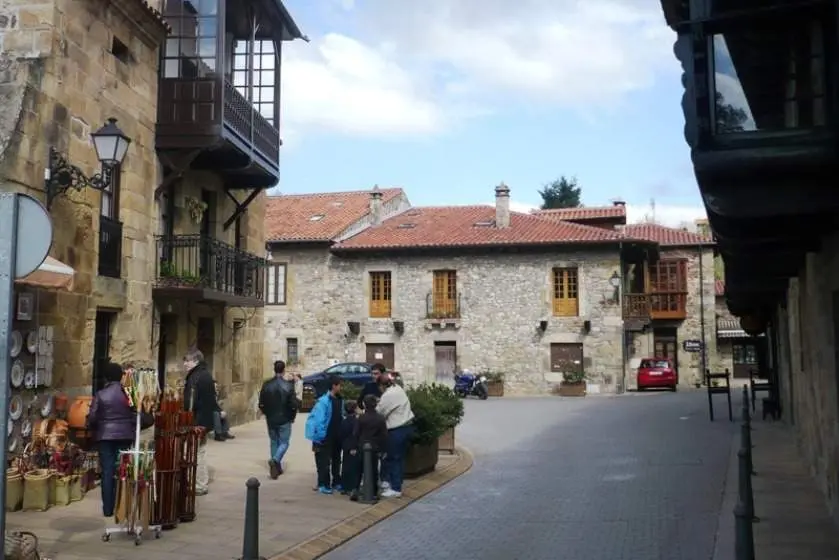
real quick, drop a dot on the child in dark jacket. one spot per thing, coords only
(370, 428)
(350, 460)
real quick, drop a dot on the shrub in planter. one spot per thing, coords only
(452, 408)
(573, 384)
(434, 413)
(350, 391)
(495, 383)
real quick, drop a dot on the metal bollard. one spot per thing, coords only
(746, 415)
(250, 544)
(744, 544)
(368, 486)
(744, 487)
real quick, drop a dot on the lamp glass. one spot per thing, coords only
(110, 143)
(615, 280)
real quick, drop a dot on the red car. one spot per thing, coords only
(657, 373)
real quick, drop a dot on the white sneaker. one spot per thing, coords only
(391, 494)
(385, 485)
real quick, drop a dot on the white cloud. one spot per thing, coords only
(665, 214)
(423, 66)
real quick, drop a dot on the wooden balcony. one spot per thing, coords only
(442, 308)
(636, 306)
(208, 114)
(671, 306)
(196, 267)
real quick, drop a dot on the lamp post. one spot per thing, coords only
(111, 145)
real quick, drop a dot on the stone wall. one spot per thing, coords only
(58, 82)
(503, 298)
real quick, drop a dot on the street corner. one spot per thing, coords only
(330, 539)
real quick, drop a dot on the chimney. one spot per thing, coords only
(375, 206)
(502, 206)
(618, 202)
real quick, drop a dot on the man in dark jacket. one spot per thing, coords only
(200, 398)
(374, 387)
(278, 403)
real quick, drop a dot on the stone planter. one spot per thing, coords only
(572, 389)
(446, 441)
(421, 459)
(495, 388)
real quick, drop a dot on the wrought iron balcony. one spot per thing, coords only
(440, 306)
(110, 247)
(202, 268)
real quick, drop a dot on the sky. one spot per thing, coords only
(447, 99)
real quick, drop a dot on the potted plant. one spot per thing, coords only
(495, 383)
(350, 391)
(195, 208)
(573, 384)
(430, 421)
(451, 407)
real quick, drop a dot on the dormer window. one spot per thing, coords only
(317, 218)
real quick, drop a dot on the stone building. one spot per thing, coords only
(737, 351)
(432, 290)
(170, 254)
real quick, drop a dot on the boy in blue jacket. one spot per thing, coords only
(323, 429)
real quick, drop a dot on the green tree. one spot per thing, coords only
(561, 193)
(729, 118)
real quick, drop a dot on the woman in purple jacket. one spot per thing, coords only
(113, 422)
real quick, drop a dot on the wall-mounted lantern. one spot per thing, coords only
(399, 327)
(543, 325)
(111, 145)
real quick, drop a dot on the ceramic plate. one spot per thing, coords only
(46, 409)
(47, 380)
(17, 344)
(29, 379)
(32, 342)
(16, 375)
(26, 428)
(14, 444)
(10, 427)
(15, 407)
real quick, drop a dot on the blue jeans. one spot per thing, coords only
(280, 437)
(108, 457)
(220, 425)
(397, 446)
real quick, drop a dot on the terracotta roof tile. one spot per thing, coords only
(583, 213)
(719, 288)
(471, 226)
(290, 217)
(665, 236)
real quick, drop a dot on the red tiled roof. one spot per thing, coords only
(289, 217)
(471, 226)
(665, 236)
(583, 213)
(719, 287)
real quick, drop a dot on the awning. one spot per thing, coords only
(52, 274)
(730, 328)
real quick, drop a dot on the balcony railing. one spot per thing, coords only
(246, 121)
(668, 306)
(199, 262)
(636, 306)
(437, 307)
(110, 247)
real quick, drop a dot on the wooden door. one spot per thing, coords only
(567, 358)
(101, 347)
(744, 359)
(381, 354)
(666, 345)
(206, 340)
(444, 296)
(445, 361)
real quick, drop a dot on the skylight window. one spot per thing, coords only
(316, 218)
(486, 223)
(406, 226)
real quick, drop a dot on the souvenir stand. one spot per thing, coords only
(168, 446)
(136, 487)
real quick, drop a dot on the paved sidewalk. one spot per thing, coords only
(794, 520)
(290, 512)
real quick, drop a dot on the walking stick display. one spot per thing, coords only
(135, 475)
(167, 444)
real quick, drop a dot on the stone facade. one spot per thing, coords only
(59, 81)
(690, 363)
(503, 299)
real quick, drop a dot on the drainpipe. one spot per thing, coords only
(703, 355)
(621, 386)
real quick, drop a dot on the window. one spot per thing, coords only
(380, 294)
(109, 203)
(444, 296)
(292, 351)
(275, 284)
(258, 84)
(190, 50)
(566, 294)
(668, 283)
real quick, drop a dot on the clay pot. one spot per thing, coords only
(77, 415)
(60, 403)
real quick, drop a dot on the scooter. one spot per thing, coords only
(467, 384)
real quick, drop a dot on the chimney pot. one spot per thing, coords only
(502, 206)
(375, 206)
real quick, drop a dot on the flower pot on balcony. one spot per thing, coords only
(577, 389)
(495, 388)
(446, 441)
(421, 459)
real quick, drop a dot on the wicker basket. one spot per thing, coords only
(76, 491)
(61, 490)
(14, 490)
(21, 545)
(36, 490)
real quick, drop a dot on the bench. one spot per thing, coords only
(756, 386)
(723, 389)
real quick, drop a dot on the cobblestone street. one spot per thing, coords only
(639, 476)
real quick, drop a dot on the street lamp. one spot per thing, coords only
(111, 145)
(615, 282)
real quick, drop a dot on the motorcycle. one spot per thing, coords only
(467, 384)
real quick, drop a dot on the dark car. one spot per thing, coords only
(357, 373)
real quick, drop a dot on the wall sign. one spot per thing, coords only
(692, 345)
